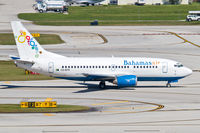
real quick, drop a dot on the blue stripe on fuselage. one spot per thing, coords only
(91, 78)
(158, 78)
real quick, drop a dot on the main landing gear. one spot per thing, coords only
(102, 85)
(168, 85)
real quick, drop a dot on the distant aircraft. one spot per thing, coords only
(122, 71)
(86, 2)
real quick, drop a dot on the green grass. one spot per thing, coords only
(15, 108)
(9, 72)
(8, 39)
(116, 15)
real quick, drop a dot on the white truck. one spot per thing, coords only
(193, 16)
(50, 5)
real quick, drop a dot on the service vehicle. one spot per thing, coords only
(50, 5)
(193, 16)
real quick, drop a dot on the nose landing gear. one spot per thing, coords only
(169, 83)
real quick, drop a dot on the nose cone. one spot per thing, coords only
(187, 71)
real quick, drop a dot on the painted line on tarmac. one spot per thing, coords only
(185, 40)
(115, 108)
(137, 131)
(103, 37)
(6, 82)
(131, 124)
(47, 114)
(126, 112)
(110, 103)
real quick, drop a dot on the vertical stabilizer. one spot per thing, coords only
(28, 47)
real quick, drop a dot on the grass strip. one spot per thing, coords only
(9, 72)
(8, 39)
(116, 15)
(15, 108)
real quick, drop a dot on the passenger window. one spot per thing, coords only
(143, 66)
(74, 66)
(140, 66)
(62, 66)
(127, 66)
(71, 66)
(105, 66)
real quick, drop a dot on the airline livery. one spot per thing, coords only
(122, 71)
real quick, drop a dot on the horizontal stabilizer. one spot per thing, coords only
(25, 61)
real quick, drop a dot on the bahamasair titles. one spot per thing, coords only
(122, 71)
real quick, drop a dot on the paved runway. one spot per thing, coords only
(148, 108)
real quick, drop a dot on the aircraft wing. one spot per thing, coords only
(98, 77)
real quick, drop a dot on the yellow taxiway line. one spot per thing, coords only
(110, 103)
(185, 40)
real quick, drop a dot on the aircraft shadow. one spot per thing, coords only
(94, 87)
(19, 86)
(89, 87)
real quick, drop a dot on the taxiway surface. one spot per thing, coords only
(148, 108)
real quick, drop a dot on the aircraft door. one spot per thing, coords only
(164, 67)
(51, 67)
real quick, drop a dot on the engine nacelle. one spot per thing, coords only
(126, 81)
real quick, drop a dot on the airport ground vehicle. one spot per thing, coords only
(122, 71)
(193, 16)
(50, 5)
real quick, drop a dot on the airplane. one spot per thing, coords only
(122, 71)
(86, 2)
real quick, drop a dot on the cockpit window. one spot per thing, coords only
(178, 65)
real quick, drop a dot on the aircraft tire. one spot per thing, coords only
(102, 85)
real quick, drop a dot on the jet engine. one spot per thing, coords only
(126, 81)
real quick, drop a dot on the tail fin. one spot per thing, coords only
(28, 47)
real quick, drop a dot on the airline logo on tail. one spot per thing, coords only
(23, 37)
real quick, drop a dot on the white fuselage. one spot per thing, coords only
(146, 69)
